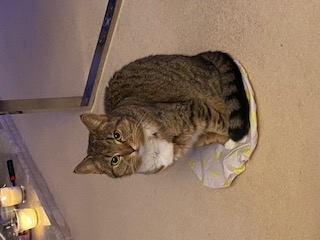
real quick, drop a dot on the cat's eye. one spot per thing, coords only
(115, 160)
(117, 135)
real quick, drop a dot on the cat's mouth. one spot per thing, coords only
(135, 149)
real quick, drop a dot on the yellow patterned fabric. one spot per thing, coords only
(216, 165)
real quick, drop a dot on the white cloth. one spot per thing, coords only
(216, 165)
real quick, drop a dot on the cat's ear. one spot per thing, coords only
(88, 166)
(92, 121)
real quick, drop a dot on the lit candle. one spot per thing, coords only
(11, 196)
(25, 219)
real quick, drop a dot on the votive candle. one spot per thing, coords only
(26, 218)
(10, 196)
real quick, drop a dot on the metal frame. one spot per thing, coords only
(86, 101)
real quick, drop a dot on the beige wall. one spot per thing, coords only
(46, 47)
(277, 197)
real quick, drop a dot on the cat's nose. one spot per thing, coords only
(129, 150)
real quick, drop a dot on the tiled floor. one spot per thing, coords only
(277, 197)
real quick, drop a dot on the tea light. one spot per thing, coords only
(11, 196)
(24, 219)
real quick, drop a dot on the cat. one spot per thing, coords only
(159, 107)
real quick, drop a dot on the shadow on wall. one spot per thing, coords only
(41, 50)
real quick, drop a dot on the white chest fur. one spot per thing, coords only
(155, 153)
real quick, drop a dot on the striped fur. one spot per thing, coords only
(232, 92)
(165, 103)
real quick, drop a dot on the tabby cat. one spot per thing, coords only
(159, 107)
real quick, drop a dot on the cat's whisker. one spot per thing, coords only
(132, 166)
(136, 134)
(140, 122)
(129, 164)
(135, 126)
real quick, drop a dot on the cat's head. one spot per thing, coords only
(113, 145)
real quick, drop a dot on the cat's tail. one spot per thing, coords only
(233, 93)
